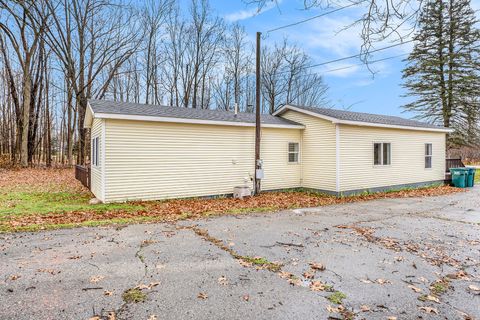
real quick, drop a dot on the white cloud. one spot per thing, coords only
(249, 13)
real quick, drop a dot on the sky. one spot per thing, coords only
(351, 84)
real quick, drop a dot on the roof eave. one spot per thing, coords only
(358, 123)
(89, 116)
(192, 121)
(390, 126)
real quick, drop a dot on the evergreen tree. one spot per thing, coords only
(442, 71)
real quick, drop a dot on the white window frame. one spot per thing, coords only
(382, 143)
(428, 155)
(293, 152)
(95, 153)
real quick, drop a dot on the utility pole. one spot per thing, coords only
(258, 165)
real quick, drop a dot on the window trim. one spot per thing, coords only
(381, 154)
(425, 155)
(293, 152)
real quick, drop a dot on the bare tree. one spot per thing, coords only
(23, 27)
(92, 39)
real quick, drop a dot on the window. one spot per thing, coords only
(382, 154)
(428, 155)
(95, 151)
(293, 152)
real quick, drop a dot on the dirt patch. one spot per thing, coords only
(40, 180)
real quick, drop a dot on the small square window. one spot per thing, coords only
(293, 152)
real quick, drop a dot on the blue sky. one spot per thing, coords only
(353, 87)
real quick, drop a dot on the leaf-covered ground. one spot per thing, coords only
(37, 199)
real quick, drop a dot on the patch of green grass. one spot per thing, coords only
(134, 295)
(91, 223)
(27, 203)
(262, 262)
(440, 286)
(477, 176)
(337, 297)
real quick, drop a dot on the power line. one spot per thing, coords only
(352, 56)
(361, 64)
(309, 19)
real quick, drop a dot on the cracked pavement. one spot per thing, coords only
(385, 256)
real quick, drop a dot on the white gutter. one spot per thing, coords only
(359, 123)
(192, 121)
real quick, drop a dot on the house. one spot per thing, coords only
(147, 152)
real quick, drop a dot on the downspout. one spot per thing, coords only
(337, 158)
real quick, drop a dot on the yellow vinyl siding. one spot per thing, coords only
(96, 182)
(318, 153)
(279, 173)
(154, 160)
(407, 157)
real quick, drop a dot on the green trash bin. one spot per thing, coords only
(470, 177)
(459, 177)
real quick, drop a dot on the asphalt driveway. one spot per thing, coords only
(385, 259)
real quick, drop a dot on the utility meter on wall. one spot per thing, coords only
(259, 172)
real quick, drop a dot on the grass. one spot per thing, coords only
(477, 176)
(133, 295)
(26, 203)
(337, 297)
(39, 199)
(262, 262)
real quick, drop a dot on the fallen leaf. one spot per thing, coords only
(149, 286)
(246, 297)
(317, 286)
(332, 309)
(431, 298)
(429, 310)
(382, 281)
(94, 318)
(202, 295)
(107, 293)
(364, 308)
(425, 280)
(285, 275)
(392, 318)
(474, 289)
(366, 281)
(223, 281)
(14, 277)
(308, 275)
(152, 317)
(317, 266)
(111, 316)
(417, 290)
(95, 279)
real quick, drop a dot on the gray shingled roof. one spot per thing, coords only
(369, 118)
(124, 108)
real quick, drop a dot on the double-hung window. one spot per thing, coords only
(293, 152)
(382, 154)
(95, 151)
(428, 155)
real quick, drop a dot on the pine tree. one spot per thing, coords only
(442, 72)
